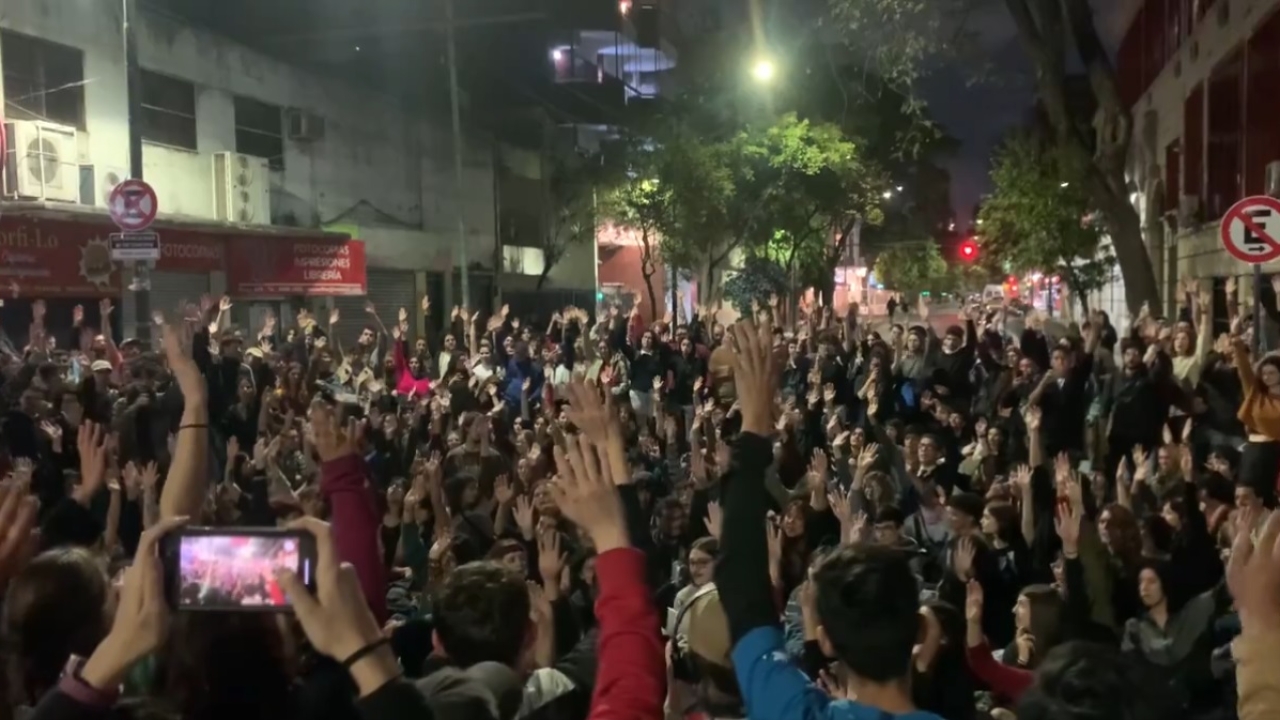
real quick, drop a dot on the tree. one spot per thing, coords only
(904, 37)
(912, 267)
(1040, 216)
(820, 190)
(643, 204)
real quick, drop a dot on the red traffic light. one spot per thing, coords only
(968, 250)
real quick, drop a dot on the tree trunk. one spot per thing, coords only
(1044, 33)
(542, 277)
(647, 270)
(828, 290)
(1131, 254)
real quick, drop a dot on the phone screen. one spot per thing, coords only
(237, 571)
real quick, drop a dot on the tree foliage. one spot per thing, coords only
(912, 268)
(758, 280)
(1036, 216)
(819, 188)
(1040, 217)
(790, 190)
(903, 39)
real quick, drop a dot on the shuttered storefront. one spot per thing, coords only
(389, 290)
(171, 290)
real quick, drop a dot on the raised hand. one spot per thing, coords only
(714, 519)
(973, 601)
(332, 441)
(596, 419)
(754, 375)
(867, 458)
(141, 620)
(336, 619)
(18, 539)
(503, 492)
(1141, 466)
(91, 444)
(962, 558)
(190, 382)
(1067, 523)
(586, 495)
(1022, 478)
(523, 513)
(551, 560)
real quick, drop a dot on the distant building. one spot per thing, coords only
(261, 169)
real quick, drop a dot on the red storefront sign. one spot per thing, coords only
(71, 258)
(291, 266)
(51, 258)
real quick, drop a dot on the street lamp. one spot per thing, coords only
(763, 71)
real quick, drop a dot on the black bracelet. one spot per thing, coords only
(365, 651)
(193, 426)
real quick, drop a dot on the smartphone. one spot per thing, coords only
(224, 569)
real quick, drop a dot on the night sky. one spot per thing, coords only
(980, 115)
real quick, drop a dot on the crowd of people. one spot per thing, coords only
(615, 519)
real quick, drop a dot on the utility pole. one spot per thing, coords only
(141, 282)
(457, 154)
(451, 26)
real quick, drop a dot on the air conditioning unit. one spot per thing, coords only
(241, 189)
(1273, 178)
(40, 161)
(304, 126)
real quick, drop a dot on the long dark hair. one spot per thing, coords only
(947, 687)
(227, 665)
(55, 608)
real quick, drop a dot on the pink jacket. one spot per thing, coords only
(406, 383)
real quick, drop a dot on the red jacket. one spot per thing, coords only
(356, 525)
(1005, 681)
(631, 674)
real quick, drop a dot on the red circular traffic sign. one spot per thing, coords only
(133, 205)
(1250, 228)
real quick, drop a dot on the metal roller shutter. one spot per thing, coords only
(170, 290)
(389, 290)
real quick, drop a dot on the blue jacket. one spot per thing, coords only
(517, 371)
(774, 688)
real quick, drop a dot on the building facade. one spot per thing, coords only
(276, 186)
(1200, 77)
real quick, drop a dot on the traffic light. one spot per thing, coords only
(968, 251)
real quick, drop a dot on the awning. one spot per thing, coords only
(58, 250)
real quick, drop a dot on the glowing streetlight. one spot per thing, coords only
(763, 71)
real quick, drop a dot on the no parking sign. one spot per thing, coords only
(1250, 229)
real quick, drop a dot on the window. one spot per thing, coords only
(522, 260)
(260, 131)
(168, 111)
(42, 80)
